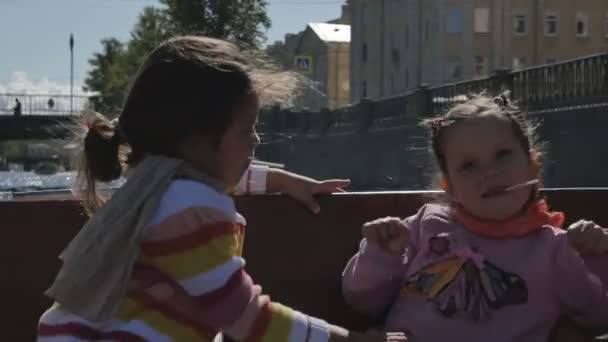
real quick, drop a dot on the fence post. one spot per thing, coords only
(273, 119)
(326, 119)
(366, 114)
(604, 68)
(427, 106)
(501, 81)
(305, 122)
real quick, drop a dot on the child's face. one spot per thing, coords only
(237, 145)
(483, 155)
(228, 160)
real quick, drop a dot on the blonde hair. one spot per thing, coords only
(476, 106)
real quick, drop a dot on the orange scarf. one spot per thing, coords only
(536, 216)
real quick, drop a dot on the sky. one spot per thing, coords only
(34, 35)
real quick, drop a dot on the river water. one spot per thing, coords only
(25, 181)
(29, 181)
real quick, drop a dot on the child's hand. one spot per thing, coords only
(303, 188)
(390, 233)
(588, 238)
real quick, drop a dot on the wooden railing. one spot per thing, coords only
(309, 251)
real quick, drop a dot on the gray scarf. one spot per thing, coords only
(97, 263)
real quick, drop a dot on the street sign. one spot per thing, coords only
(303, 64)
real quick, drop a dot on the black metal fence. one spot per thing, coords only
(578, 82)
(380, 145)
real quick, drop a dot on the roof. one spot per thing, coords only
(331, 33)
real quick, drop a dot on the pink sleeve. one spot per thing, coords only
(598, 264)
(581, 294)
(373, 277)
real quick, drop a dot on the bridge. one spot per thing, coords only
(35, 116)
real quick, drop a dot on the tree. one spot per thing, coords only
(113, 68)
(241, 21)
(151, 29)
(106, 77)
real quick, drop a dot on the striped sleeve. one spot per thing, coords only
(199, 248)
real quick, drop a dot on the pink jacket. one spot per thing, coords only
(452, 285)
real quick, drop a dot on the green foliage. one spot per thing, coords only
(107, 77)
(241, 21)
(13, 149)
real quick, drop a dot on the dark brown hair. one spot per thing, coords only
(188, 86)
(479, 105)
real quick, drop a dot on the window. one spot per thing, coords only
(550, 60)
(550, 24)
(606, 25)
(520, 24)
(393, 86)
(364, 53)
(481, 66)
(396, 57)
(455, 22)
(519, 62)
(482, 20)
(364, 89)
(395, 53)
(454, 71)
(345, 86)
(407, 78)
(582, 24)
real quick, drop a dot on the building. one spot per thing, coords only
(345, 17)
(321, 53)
(323, 57)
(399, 45)
(550, 31)
(283, 52)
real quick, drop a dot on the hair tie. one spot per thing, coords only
(502, 100)
(436, 125)
(119, 136)
(439, 123)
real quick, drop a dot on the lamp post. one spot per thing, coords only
(71, 73)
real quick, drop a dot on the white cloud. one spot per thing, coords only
(20, 83)
(35, 95)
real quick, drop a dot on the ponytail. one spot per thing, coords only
(99, 159)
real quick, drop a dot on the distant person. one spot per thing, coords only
(161, 260)
(490, 263)
(17, 108)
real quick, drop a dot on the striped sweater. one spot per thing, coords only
(189, 283)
